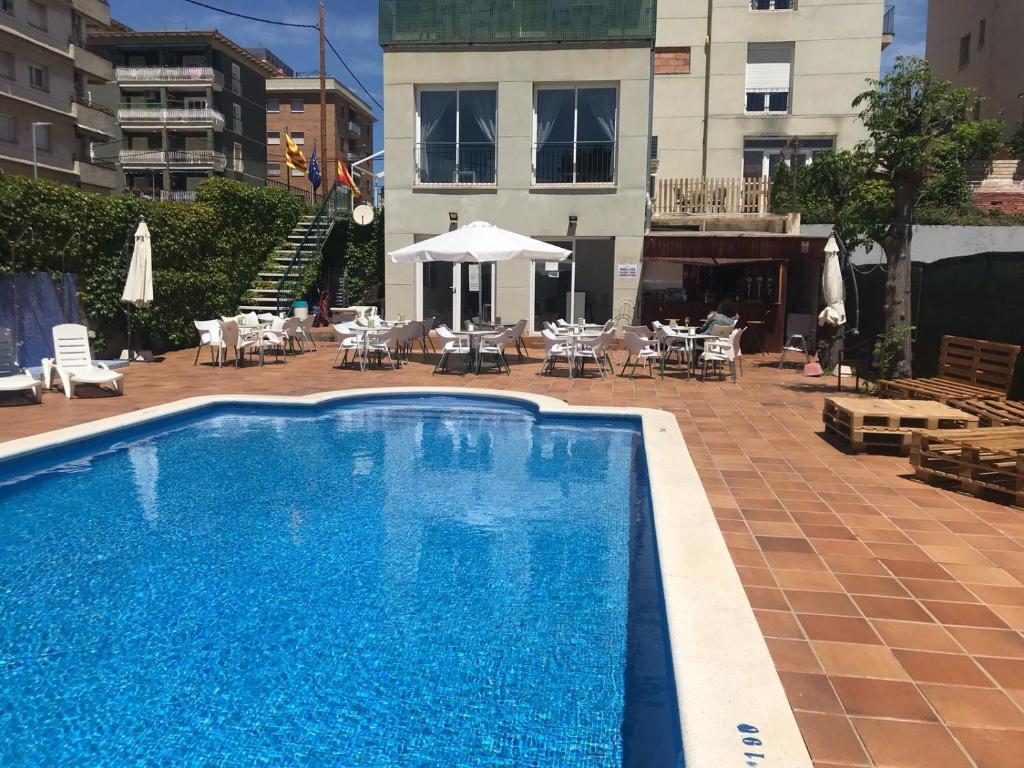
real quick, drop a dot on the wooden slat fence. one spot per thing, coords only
(714, 195)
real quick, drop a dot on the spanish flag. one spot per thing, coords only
(344, 177)
(293, 156)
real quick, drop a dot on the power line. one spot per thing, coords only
(251, 18)
(349, 70)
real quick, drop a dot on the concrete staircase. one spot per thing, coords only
(998, 175)
(263, 295)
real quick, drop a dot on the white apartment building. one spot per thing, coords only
(740, 84)
(536, 118)
(48, 118)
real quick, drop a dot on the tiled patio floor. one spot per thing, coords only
(894, 611)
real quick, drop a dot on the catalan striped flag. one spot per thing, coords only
(293, 156)
(344, 177)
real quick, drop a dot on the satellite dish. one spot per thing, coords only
(363, 214)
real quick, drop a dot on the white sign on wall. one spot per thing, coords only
(631, 271)
(474, 278)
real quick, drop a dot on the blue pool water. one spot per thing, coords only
(391, 582)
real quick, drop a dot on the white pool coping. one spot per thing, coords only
(724, 673)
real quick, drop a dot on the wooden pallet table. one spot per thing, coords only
(977, 459)
(994, 413)
(939, 390)
(861, 423)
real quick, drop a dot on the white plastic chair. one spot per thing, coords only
(596, 350)
(517, 337)
(348, 343)
(14, 378)
(290, 329)
(206, 336)
(73, 363)
(382, 344)
(555, 350)
(718, 351)
(640, 351)
(452, 345)
(304, 335)
(495, 346)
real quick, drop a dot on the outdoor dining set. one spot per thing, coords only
(255, 334)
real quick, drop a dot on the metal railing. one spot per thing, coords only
(86, 101)
(307, 194)
(889, 21)
(154, 113)
(773, 101)
(581, 162)
(713, 196)
(316, 235)
(178, 196)
(197, 75)
(773, 5)
(445, 163)
(460, 22)
(183, 158)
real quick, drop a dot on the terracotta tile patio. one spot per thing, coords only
(894, 611)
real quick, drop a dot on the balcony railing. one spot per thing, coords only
(713, 196)
(169, 76)
(889, 21)
(445, 163)
(772, 101)
(461, 22)
(142, 114)
(174, 158)
(773, 5)
(178, 196)
(579, 163)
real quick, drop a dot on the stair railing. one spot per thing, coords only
(312, 241)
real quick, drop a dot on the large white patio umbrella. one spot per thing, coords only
(480, 243)
(832, 287)
(138, 286)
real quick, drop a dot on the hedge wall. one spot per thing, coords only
(205, 254)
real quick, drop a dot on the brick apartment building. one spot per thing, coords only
(293, 105)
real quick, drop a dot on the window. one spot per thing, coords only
(236, 118)
(762, 155)
(594, 284)
(236, 79)
(965, 50)
(299, 137)
(43, 136)
(7, 6)
(298, 105)
(236, 158)
(772, 5)
(273, 169)
(769, 73)
(273, 137)
(39, 77)
(457, 131)
(7, 65)
(982, 33)
(297, 172)
(8, 128)
(273, 105)
(37, 15)
(575, 130)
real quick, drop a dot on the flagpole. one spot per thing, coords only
(323, 89)
(287, 170)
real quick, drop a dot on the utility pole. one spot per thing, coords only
(323, 98)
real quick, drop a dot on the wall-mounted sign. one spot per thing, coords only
(474, 278)
(631, 271)
(551, 266)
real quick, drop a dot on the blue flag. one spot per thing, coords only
(314, 170)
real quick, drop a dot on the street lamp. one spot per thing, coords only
(35, 161)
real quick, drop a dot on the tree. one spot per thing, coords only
(1016, 144)
(915, 121)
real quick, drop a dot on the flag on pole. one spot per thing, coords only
(314, 171)
(344, 177)
(293, 156)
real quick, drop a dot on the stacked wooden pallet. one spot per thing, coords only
(994, 413)
(862, 423)
(977, 459)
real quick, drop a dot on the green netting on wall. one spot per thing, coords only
(463, 22)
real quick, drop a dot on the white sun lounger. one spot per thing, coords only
(73, 362)
(14, 378)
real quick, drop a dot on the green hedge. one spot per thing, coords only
(205, 254)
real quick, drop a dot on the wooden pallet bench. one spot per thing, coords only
(977, 459)
(861, 423)
(994, 413)
(968, 369)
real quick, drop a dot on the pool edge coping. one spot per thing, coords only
(724, 673)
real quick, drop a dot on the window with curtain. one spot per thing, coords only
(576, 130)
(769, 75)
(457, 141)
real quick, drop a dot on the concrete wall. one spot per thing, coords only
(837, 48)
(617, 210)
(934, 243)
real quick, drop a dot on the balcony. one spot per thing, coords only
(767, 101)
(95, 66)
(155, 116)
(773, 5)
(97, 10)
(465, 22)
(695, 196)
(192, 159)
(448, 164)
(94, 119)
(95, 175)
(582, 164)
(889, 27)
(170, 77)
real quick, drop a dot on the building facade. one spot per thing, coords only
(537, 120)
(978, 44)
(293, 105)
(49, 121)
(740, 84)
(190, 105)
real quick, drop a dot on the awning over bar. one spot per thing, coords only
(711, 249)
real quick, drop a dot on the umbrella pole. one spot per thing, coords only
(572, 288)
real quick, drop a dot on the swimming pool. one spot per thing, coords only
(383, 581)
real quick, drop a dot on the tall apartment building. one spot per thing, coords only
(978, 44)
(536, 118)
(293, 105)
(190, 104)
(47, 77)
(739, 84)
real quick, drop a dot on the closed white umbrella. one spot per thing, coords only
(832, 287)
(138, 287)
(479, 242)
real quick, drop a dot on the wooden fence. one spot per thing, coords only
(714, 196)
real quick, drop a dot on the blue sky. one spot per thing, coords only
(352, 27)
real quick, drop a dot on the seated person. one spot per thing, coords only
(726, 315)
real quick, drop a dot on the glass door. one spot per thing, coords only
(439, 292)
(476, 293)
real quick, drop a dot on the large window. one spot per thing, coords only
(594, 262)
(8, 128)
(39, 77)
(273, 137)
(457, 136)
(575, 130)
(297, 105)
(772, 5)
(762, 155)
(236, 118)
(769, 75)
(7, 65)
(273, 105)
(37, 15)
